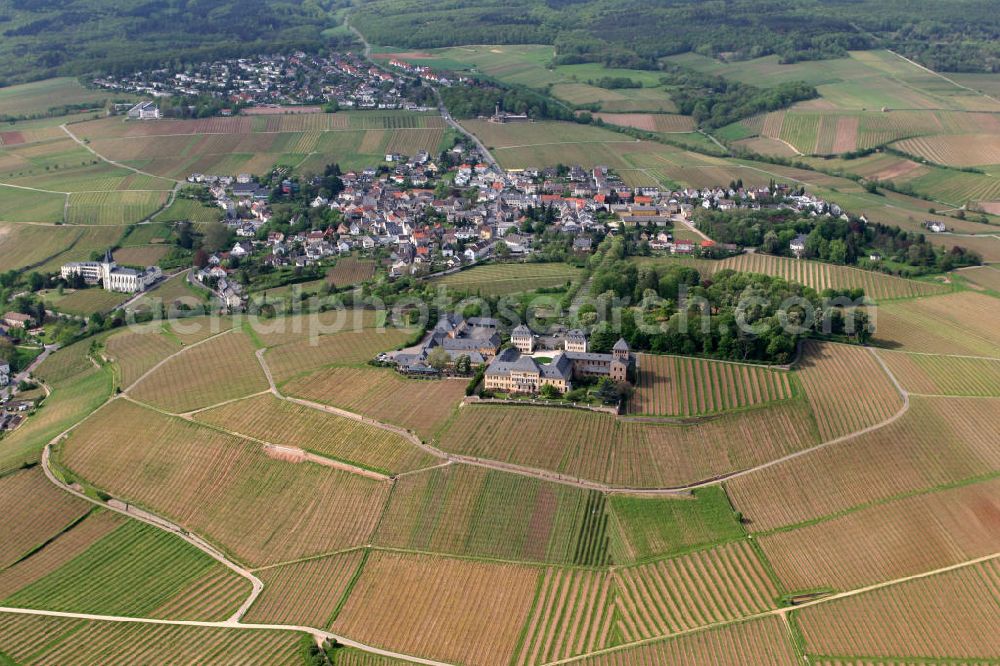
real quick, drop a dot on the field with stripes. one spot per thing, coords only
(499, 279)
(677, 386)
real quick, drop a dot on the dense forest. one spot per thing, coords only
(664, 307)
(481, 99)
(834, 240)
(42, 38)
(959, 35)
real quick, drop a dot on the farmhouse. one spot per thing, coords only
(512, 371)
(18, 320)
(109, 274)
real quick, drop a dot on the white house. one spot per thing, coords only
(144, 111)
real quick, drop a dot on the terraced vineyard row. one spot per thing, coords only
(675, 386)
(218, 370)
(348, 347)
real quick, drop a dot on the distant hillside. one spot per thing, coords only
(44, 38)
(960, 35)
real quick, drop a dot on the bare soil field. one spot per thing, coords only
(451, 610)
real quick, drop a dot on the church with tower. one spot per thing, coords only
(110, 275)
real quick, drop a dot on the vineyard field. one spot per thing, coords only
(936, 443)
(38, 639)
(223, 488)
(136, 351)
(949, 616)
(135, 570)
(676, 386)
(500, 279)
(964, 323)
(420, 405)
(450, 610)
(945, 375)
(846, 387)
(961, 150)
(304, 593)
(889, 541)
(349, 347)
(348, 271)
(763, 642)
(314, 326)
(220, 369)
(472, 511)
(600, 447)
(29, 524)
(119, 207)
(701, 588)
(281, 422)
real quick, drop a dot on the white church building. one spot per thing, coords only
(112, 276)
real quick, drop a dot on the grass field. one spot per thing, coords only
(938, 442)
(40, 96)
(84, 302)
(18, 205)
(889, 541)
(189, 210)
(138, 570)
(676, 386)
(73, 397)
(27, 527)
(602, 448)
(649, 527)
(471, 511)
(280, 422)
(53, 640)
(452, 610)
(500, 279)
(420, 405)
(846, 387)
(260, 509)
(949, 616)
(218, 370)
(305, 593)
(141, 255)
(963, 323)
(987, 277)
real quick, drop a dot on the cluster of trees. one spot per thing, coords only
(670, 308)
(470, 101)
(832, 239)
(615, 82)
(714, 101)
